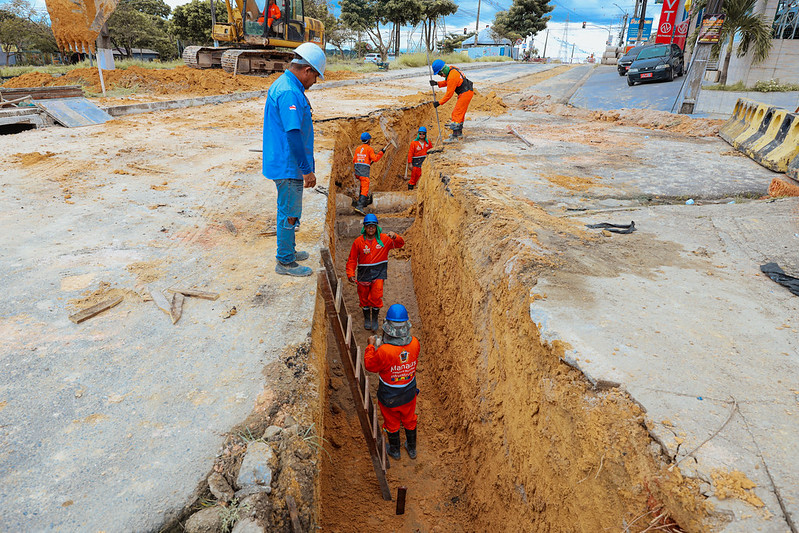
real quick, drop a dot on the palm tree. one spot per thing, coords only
(740, 18)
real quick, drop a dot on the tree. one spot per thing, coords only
(740, 19)
(524, 18)
(432, 10)
(22, 28)
(140, 24)
(192, 22)
(338, 34)
(319, 9)
(399, 13)
(448, 44)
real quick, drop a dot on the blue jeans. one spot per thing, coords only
(289, 205)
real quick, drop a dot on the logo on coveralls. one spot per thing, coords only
(404, 356)
(366, 250)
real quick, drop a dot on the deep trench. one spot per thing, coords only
(510, 437)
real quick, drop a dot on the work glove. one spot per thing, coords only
(436, 104)
(433, 83)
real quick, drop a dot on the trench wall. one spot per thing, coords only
(541, 450)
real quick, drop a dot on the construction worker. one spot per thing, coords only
(362, 160)
(417, 153)
(456, 83)
(288, 142)
(273, 13)
(395, 360)
(369, 253)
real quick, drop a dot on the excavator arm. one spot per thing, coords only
(77, 23)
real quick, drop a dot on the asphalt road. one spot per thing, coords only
(605, 89)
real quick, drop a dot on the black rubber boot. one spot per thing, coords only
(375, 318)
(369, 200)
(410, 442)
(410, 187)
(367, 318)
(394, 445)
(361, 205)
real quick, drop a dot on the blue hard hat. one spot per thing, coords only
(422, 130)
(437, 65)
(397, 313)
(370, 219)
(365, 136)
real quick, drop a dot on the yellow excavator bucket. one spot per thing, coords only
(77, 23)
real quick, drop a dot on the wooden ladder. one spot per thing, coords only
(352, 361)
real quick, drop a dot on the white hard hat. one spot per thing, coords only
(312, 55)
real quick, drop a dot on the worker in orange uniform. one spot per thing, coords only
(369, 254)
(362, 159)
(456, 83)
(417, 153)
(395, 360)
(274, 14)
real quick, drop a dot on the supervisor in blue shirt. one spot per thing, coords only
(288, 150)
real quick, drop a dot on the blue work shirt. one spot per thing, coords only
(286, 109)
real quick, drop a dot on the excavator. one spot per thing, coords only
(253, 46)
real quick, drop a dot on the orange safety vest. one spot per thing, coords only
(418, 152)
(370, 256)
(456, 83)
(395, 364)
(363, 158)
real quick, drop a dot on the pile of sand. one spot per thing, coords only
(178, 80)
(645, 118)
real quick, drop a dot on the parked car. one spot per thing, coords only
(656, 62)
(375, 58)
(628, 58)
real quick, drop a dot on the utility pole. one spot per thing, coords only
(477, 24)
(546, 40)
(623, 27)
(571, 60)
(641, 23)
(696, 72)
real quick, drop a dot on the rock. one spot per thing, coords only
(303, 452)
(248, 525)
(250, 490)
(257, 466)
(205, 521)
(272, 431)
(220, 488)
(289, 421)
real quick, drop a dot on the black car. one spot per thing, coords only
(628, 58)
(656, 62)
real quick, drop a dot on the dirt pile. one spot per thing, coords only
(783, 187)
(180, 80)
(645, 118)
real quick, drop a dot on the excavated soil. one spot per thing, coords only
(180, 80)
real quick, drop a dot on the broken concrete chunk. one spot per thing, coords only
(220, 488)
(249, 490)
(248, 525)
(272, 431)
(289, 421)
(205, 521)
(256, 468)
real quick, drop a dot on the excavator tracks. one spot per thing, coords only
(203, 56)
(255, 61)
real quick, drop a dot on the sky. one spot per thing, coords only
(599, 15)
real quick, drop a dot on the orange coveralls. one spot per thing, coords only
(416, 156)
(363, 158)
(397, 368)
(370, 256)
(274, 14)
(453, 83)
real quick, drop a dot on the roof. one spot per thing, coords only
(486, 38)
(137, 51)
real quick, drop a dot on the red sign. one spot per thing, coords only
(681, 34)
(668, 17)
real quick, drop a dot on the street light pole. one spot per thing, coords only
(623, 24)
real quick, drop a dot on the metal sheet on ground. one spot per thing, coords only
(74, 112)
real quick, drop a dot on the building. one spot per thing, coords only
(485, 44)
(783, 60)
(142, 54)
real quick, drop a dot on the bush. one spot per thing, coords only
(494, 58)
(420, 59)
(774, 86)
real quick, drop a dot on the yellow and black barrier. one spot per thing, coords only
(767, 134)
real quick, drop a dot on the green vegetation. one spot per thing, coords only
(494, 58)
(121, 64)
(350, 65)
(420, 59)
(767, 86)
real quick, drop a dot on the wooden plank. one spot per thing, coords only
(196, 294)
(176, 310)
(358, 363)
(94, 310)
(295, 517)
(348, 335)
(366, 396)
(374, 427)
(324, 279)
(339, 297)
(401, 492)
(41, 93)
(160, 300)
